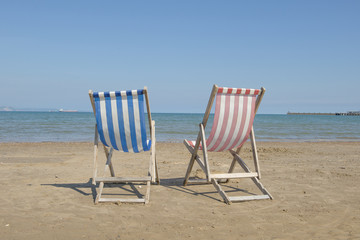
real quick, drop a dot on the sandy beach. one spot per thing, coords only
(46, 193)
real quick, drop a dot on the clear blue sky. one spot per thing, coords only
(305, 53)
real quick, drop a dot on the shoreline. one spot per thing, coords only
(47, 194)
(181, 141)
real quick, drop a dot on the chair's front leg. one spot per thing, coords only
(96, 144)
(153, 164)
(204, 148)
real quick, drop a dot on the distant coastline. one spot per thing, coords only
(349, 113)
(11, 109)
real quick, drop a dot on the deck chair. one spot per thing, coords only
(235, 110)
(121, 125)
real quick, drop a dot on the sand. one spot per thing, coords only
(46, 193)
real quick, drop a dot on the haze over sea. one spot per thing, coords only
(174, 127)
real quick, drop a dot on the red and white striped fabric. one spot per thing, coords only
(233, 119)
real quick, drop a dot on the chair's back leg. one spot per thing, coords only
(233, 163)
(192, 159)
(255, 154)
(231, 169)
(220, 191)
(188, 171)
(108, 160)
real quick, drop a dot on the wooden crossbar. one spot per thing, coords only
(248, 198)
(233, 175)
(128, 200)
(198, 181)
(122, 179)
(124, 200)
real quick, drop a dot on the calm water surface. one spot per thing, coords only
(174, 127)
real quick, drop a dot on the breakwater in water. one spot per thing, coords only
(351, 113)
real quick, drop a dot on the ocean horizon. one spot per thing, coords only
(37, 126)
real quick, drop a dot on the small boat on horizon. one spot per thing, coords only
(62, 110)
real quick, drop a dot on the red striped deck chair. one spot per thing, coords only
(121, 125)
(235, 109)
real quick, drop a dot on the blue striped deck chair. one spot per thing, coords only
(121, 126)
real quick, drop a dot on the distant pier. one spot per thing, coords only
(349, 113)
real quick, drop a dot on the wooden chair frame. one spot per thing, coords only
(217, 178)
(153, 175)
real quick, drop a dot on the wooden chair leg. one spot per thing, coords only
(153, 167)
(231, 169)
(96, 144)
(108, 155)
(232, 166)
(98, 195)
(255, 155)
(108, 164)
(204, 148)
(220, 191)
(153, 170)
(254, 179)
(147, 195)
(157, 172)
(188, 171)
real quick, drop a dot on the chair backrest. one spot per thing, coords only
(233, 119)
(120, 119)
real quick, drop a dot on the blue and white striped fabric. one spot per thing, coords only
(121, 120)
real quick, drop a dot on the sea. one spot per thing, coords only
(18, 126)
